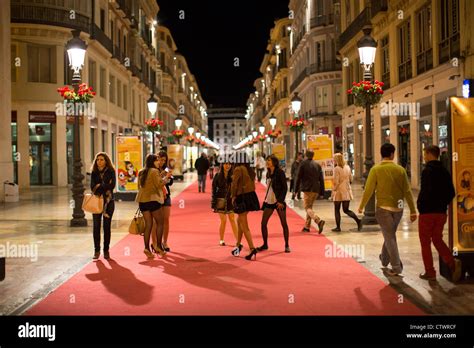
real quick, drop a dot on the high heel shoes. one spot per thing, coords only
(157, 250)
(149, 254)
(252, 254)
(236, 251)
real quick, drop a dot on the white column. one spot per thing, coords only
(86, 145)
(6, 164)
(377, 142)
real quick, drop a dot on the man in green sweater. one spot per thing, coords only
(391, 186)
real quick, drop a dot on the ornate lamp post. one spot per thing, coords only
(273, 122)
(76, 51)
(152, 107)
(296, 106)
(367, 47)
(261, 129)
(191, 131)
(178, 122)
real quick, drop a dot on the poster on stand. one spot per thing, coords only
(462, 140)
(129, 162)
(175, 157)
(323, 147)
(279, 150)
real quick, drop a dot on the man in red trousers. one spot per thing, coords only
(437, 192)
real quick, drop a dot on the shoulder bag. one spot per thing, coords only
(137, 225)
(92, 203)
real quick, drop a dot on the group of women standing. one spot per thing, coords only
(233, 192)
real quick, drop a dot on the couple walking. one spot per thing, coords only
(390, 183)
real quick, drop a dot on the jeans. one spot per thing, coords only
(430, 229)
(388, 221)
(107, 227)
(308, 199)
(202, 182)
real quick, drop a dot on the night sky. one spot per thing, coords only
(213, 33)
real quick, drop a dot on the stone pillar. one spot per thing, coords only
(6, 163)
(377, 140)
(59, 151)
(23, 143)
(394, 134)
(86, 145)
(414, 152)
(434, 119)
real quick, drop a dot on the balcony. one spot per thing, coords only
(40, 13)
(136, 71)
(124, 5)
(424, 61)
(299, 38)
(330, 65)
(117, 54)
(104, 40)
(449, 48)
(157, 91)
(355, 27)
(377, 6)
(322, 21)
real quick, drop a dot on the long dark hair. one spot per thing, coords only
(276, 164)
(163, 154)
(108, 162)
(149, 164)
(221, 175)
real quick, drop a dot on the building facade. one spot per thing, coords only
(227, 127)
(129, 58)
(423, 55)
(315, 71)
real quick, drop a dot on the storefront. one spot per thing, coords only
(15, 155)
(350, 147)
(40, 147)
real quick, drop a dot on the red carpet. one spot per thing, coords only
(199, 277)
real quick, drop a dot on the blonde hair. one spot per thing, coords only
(339, 159)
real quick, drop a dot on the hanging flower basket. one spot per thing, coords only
(178, 133)
(403, 131)
(297, 124)
(190, 139)
(274, 134)
(366, 93)
(83, 95)
(153, 125)
(261, 138)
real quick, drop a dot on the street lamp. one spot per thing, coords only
(152, 107)
(191, 131)
(178, 122)
(296, 106)
(367, 47)
(273, 121)
(76, 51)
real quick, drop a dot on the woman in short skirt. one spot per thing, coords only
(221, 201)
(244, 199)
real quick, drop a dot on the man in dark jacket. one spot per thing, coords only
(310, 181)
(202, 166)
(437, 192)
(294, 175)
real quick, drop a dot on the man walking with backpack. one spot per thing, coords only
(437, 192)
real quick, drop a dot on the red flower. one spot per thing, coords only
(349, 91)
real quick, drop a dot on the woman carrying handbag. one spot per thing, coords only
(342, 192)
(221, 202)
(103, 184)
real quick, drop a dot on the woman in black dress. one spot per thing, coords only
(103, 184)
(275, 200)
(221, 201)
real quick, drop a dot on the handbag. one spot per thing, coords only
(92, 203)
(137, 225)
